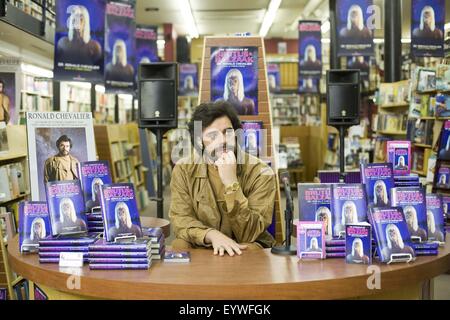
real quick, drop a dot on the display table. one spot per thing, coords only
(253, 275)
(152, 222)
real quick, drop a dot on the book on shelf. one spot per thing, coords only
(442, 177)
(12, 182)
(310, 239)
(393, 93)
(390, 122)
(420, 131)
(426, 79)
(442, 105)
(419, 158)
(444, 142)
(294, 158)
(34, 224)
(431, 168)
(443, 77)
(399, 154)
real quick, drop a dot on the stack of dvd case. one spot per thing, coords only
(95, 222)
(411, 180)
(335, 248)
(426, 248)
(157, 240)
(132, 255)
(50, 248)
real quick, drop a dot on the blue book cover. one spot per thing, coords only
(358, 243)
(413, 202)
(120, 254)
(378, 180)
(443, 176)
(92, 175)
(69, 241)
(399, 154)
(314, 203)
(120, 213)
(444, 144)
(138, 245)
(311, 240)
(66, 207)
(251, 139)
(445, 205)
(391, 234)
(34, 224)
(348, 206)
(435, 218)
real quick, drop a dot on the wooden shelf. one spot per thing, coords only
(37, 94)
(392, 133)
(20, 197)
(427, 118)
(422, 145)
(426, 92)
(9, 157)
(420, 173)
(394, 105)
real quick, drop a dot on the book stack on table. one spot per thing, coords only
(335, 248)
(95, 222)
(157, 240)
(411, 180)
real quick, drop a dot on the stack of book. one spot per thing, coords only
(95, 222)
(134, 255)
(411, 180)
(426, 248)
(157, 240)
(335, 248)
(50, 248)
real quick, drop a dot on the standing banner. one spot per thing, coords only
(146, 47)
(234, 77)
(273, 77)
(188, 79)
(427, 28)
(354, 32)
(310, 49)
(120, 46)
(79, 40)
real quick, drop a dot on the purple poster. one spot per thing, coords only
(146, 47)
(7, 96)
(120, 46)
(273, 77)
(79, 40)
(252, 137)
(234, 77)
(362, 64)
(188, 77)
(427, 28)
(354, 27)
(309, 49)
(309, 85)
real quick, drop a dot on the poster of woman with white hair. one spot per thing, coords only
(34, 224)
(310, 48)
(273, 77)
(442, 177)
(69, 222)
(355, 34)
(234, 78)
(79, 37)
(435, 218)
(188, 79)
(427, 28)
(93, 174)
(120, 46)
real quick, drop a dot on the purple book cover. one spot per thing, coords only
(399, 154)
(120, 213)
(66, 207)
(251, 139)
(425, 246)
(358, 243)
(378, 180)
(392, 235)
(96, 229)
(444, 145)
(413, 202)
(273, 77)
(188, 79)
(82, 241)
(335, 249)
(335, 242)
(443, 177)
(95, 224)
(92, 175)
(3, 294)
(348, 206)
(234, 77)
(103, 245)
(119, 254)
(55, 260)
(56, 254)
(310, 240)
(314, 203)
(64, 249)
(112, 266)
(155, 234)
(427, 252)
(445, 205)
(435, 218)
(119, 260)
(34, 224)
(335, 255)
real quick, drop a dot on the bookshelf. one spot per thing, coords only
(36, 94)
(104, 106)
(186, 105)
(75, 97)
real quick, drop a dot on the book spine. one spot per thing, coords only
(118, 254)
(427, 252)
(56, 260)
(56, 254)
(119, 260)
(62, 243)
(118, 248)
(335, 249)
(425, 246)
(106, 266)
(104, 216)
(336, 255)
(335, 243)
(64, 249)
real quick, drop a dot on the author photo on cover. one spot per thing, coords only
(427, 28)
(359, 63)
(357, 255)
(394, 243)
(62, 166)
(94, 202)
(272, 82)
(433, 231)
(355, 28)
(234, 93)
(119, 69)
(310, 58)
(324, 214)
(412, 222)
(349, 215)
(401, 164)
(308, 85)
(68, 220)
(4, 102)
(188, 85)
(380, 196)
(314, 245)
(222, 197)
(37, 232)
(123, 223)
(77, 46)
(442, 179)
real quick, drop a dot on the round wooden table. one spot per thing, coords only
(253, 275)
(157, 223)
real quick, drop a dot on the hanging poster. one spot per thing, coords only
(354, 30)
(309, 85)
(362, 64)
(309, 49)
(120, 46)
(188, 79)
(427, 28)
(234, 77)
(146, 47)
(273, 77)
(7, 97)
(79, 40)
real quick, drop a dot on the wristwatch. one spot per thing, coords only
(232, 187)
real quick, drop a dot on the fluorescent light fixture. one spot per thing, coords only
(269, 17)
(189, 18)
(404, 40)
(36, 71)
(325, 26)
(378, 40)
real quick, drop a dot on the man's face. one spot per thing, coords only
(64, 148)
(379, 190)
(233, 84)
(409, 217)
(310, 54)
(66, 210)
(122, 216)
(78, 20)
(218, 138)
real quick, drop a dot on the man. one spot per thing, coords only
(216, 200)
(62, 166)
(4, 103)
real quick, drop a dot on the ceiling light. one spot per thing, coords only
(269, 17)
(189, 18)
(404, 40)
(37, 71)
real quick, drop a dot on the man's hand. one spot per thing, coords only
(226, 166)
(222, 243)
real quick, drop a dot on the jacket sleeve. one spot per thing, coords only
(181, 213)
(250, 216)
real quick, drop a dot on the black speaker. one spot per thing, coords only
(343, 97)
(158, 87)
